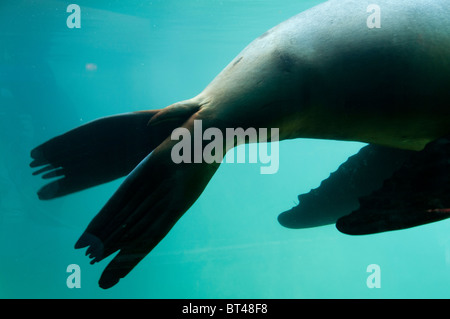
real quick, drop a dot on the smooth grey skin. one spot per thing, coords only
(325, 74)
(321, 74)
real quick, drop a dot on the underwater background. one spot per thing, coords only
(136, 55)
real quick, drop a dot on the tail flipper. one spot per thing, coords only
(143, 210)
(103, 150)
(94, 153)
(418, 193)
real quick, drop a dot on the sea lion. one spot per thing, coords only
(325, 73)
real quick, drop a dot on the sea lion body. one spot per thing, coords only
(325, 73)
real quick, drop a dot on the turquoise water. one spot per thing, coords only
(147, 55)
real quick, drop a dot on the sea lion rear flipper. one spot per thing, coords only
(143, 210)
(94, 153)
(418, 193)
(103, 150)
(338, 195)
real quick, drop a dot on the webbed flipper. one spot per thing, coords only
(338, 195)
(143, 210)
(418, 193)
(150, 200)
(95, 153)
(103, 150)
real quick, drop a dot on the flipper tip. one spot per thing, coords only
(49, 191)
(95, 246)
(107, 281)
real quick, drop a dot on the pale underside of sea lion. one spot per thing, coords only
(321, 74)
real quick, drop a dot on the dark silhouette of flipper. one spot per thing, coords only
(151, 199)
(102, 150)
(94, 153)
(338, 195)
(418, 193)
(143, 210)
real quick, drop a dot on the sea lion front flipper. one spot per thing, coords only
(338, 195)
(418, 193)
(143, 210)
